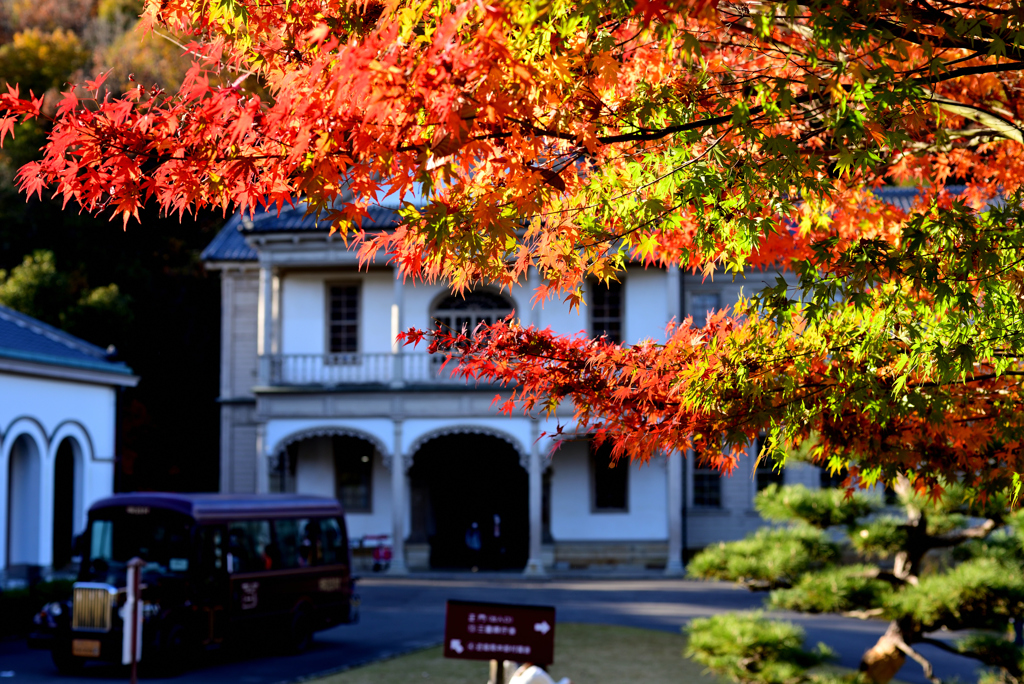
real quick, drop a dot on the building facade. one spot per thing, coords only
(58, 409)
(317, 397)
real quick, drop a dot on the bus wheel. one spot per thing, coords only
(66, 663)
(300, 633)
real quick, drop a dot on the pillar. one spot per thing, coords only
(262, 460)
(398, 507)
(534, 565)
(397, 325)
(264, 323)
(674, 567)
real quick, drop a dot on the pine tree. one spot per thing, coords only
(925, 564)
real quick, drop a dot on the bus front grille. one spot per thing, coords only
(92, 609)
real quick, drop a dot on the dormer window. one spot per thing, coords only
(458, 313)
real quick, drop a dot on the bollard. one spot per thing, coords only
(131, 649)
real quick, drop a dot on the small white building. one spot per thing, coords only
(58, 409)
(317, 397)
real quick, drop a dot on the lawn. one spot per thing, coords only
(587, 654)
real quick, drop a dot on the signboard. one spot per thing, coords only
(499, 631)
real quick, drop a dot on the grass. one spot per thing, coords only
(587, 654)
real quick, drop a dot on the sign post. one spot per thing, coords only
(131, 645)
(498, 632)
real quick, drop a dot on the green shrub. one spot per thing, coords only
(752, 649)
(770, 557)
(978, 594)
(880, 538)
(834, 590)
(820, 508)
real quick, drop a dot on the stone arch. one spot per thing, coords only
(419, 442)
(330, 431)
(284, 466)
(468, 501)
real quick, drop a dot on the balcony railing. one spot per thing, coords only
(331, 370)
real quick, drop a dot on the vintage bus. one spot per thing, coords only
(216, 565)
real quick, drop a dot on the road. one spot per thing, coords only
(405, 614)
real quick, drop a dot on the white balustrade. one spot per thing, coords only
(331, 370)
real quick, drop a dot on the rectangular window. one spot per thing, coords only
(343, 318)
(250, 548)
(353, 474)
(606, 310)
(610, 480)
(701, 305)
(707, 487)
(768, 472)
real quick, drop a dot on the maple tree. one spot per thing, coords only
(575, 138)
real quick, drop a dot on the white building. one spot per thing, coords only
(317, 398)
(58, 401)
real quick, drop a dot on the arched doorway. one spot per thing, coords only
(469, 502)
(66, 473)
(23, 503)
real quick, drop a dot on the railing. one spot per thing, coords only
(329, 370)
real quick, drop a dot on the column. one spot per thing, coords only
(535, 566)
(262, 460)
(674, 293)
(674, 469)
(397, 326)
(398, 566)
(264, 327)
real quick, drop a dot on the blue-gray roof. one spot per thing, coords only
(25, 338)
(230, 244)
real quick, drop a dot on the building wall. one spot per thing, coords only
(572, 514)
(36, 416)
(238, 369)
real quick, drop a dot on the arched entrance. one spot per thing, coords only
(66, 474)
(469, 499)
(23, 503)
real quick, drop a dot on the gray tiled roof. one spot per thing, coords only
(28, 339)
(230, 244)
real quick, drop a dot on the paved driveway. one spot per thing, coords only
(400, 615)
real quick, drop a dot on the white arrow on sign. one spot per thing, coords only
(542, 627)
(456, 645)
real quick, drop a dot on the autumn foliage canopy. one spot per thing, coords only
(570, 138)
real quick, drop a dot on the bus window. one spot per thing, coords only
(301, 545)
(250, 548)
(334, 544)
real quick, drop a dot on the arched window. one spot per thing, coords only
(456, 313)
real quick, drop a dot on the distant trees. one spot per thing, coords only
(143, 291)
(927, 564)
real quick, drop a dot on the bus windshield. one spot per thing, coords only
(161, 538)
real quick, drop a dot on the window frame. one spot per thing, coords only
(772, 475)
(369, 482)
(339, 357)
(592, 455)
(695, 470)
(475, 314)
(593, 287)
(701, 292)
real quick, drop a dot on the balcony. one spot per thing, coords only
(349, 369)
